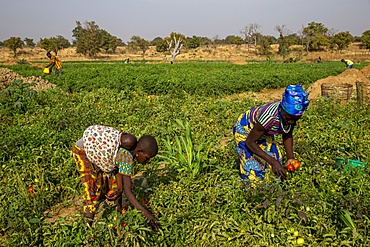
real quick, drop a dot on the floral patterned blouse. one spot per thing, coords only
(102, 147)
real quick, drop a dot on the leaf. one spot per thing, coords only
(345, 216)
(303, 216)
(34, 220)
(278, 201)
(264, 205)
(298, 201)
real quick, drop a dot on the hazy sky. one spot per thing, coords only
(158, 18)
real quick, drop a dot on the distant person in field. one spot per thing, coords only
(54, 62)
(254, 133)
(105, 158)
(348, 63)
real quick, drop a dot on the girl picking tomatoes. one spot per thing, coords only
(105, 158)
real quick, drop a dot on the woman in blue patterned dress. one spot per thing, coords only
(254, 133)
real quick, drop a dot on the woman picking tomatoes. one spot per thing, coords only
(254, 133)
(105, 158)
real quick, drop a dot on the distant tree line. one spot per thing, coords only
(89, 39)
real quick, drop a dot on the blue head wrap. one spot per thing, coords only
(295, 100)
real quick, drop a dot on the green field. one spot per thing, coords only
(199, 202)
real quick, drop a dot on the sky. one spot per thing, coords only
(158, 18)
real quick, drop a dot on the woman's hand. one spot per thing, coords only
(112, 196)
(153, 223)
(279, 170)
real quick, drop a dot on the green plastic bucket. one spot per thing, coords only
(348, 165)
(340, 162)
(356, 164)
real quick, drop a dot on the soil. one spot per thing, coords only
(7, 76)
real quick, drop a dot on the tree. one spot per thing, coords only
(193, 42)
(264, 45)
(237, 40)
(282, 40)
(156, 41)
(228, 40)
(14, 43)
(293, 39)
(233, 40)
(365, 39)
(319, 41)
(250, 32)
(29, 42)
(109, 42)
(342, 40)
(88, 38)
(54, 44)
(139, 43)
(215, 41)
(174, 44)
(315, 35)
(161, 46)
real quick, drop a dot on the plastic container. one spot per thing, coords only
(356, 164)
(348, 165)
(340, 162)
(47, 71)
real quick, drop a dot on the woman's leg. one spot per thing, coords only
(91, 182)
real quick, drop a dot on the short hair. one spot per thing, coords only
(48, 53)
(148, 144)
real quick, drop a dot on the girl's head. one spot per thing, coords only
(295, 100)
(128, 141)
(146, 149)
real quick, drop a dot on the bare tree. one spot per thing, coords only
(301, 35)
(250, 33)
(282, 30)
(175, 43)
(282, 40)
(215, 40)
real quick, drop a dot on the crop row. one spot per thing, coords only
(202, 79)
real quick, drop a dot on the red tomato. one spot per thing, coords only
(290, 167)
(296, 164)
(30, 189)
(111, 192)
(123, 224)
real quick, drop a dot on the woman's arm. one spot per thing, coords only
(288, 144)
(251, 142)
(127, 184)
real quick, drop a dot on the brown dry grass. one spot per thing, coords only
(230, 53)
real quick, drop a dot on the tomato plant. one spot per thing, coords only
(197, 196)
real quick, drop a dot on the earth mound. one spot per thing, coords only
(7, 76)
(349, 76)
